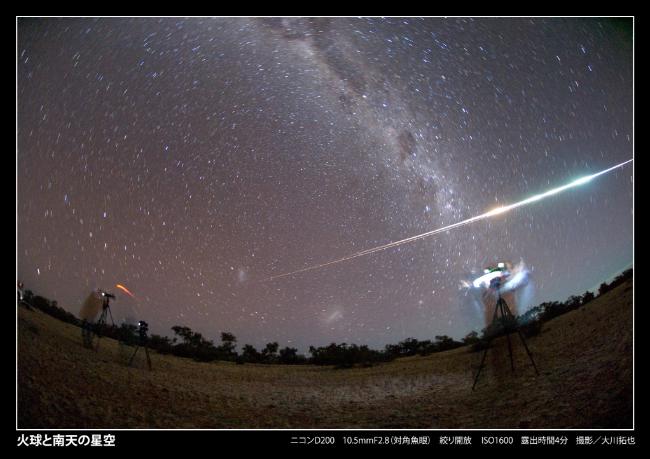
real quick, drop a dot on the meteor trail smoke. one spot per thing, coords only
(491, 213)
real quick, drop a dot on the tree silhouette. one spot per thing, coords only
(604, 288)
(269, 353)
(194, 345)
(471, 338)
(227, 347)
(444, 343)
(573, 302)
(250, 354)
(587, 297)
(288, 355)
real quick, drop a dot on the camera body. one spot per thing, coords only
(106, 298)
(495, 283)
(492, 277)
(143, 329)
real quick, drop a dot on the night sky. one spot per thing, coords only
(190, 159)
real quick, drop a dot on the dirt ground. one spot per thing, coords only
(584, 358)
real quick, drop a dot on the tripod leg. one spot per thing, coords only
(523, 341)
(86, 334)
(512, 361)
(100, 323)
(478, 373)
(146, 351)
(494, 316)
(504, 317)
(133, 356)
(98, 329)
(530, 356)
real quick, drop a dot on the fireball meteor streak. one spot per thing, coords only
(125, 290)
(491, 213)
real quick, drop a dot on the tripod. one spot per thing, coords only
(143, 344)
(509, 325)
(106, 312)
(142, 332)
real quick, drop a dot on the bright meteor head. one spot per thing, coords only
(497, 211)
(582, 181)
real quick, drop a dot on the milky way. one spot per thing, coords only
(189, 159)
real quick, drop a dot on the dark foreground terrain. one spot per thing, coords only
(584, 358)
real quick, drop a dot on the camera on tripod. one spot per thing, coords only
(106, 298)
(495, 283)
(143, 329)
(107, 295)
(492, 277)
